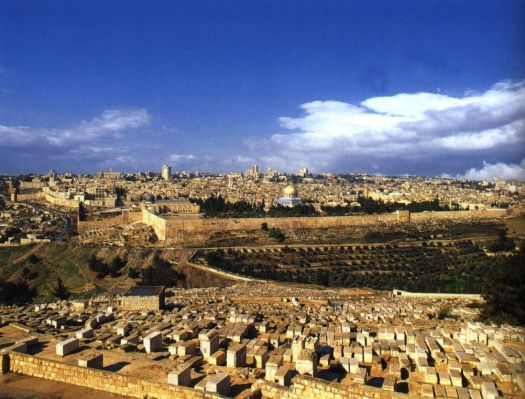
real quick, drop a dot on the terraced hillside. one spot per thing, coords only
(427, 266)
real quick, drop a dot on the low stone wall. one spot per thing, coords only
(442, 215)
(305, 387)
(435, 295)
(96, 379)
(222, 273)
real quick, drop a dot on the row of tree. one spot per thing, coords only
(217, 206)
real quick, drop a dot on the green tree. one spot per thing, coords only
(160, 273)
(502, 243)
(504, 291)
(116, 264)
(277, 234)
(60, 290)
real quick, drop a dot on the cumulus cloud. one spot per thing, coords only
(500, 170)
(111, 123)
(415, 127)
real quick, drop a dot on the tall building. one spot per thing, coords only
(253, 172)
(166, 172)
(303, 172)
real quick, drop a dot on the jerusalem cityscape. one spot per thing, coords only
(167, 232)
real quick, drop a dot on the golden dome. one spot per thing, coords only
(290, 191)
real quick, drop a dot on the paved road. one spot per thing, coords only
(68, 222)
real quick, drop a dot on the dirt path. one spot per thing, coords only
(28, 254)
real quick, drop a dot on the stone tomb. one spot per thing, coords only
(153, 342)
(67, 346)
(92, 360)
(180, 376)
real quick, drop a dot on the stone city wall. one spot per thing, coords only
(96, 379)
(180, 229)
(66, 203)
(32, 196)
(31, 184)
(186, 228)
(126, 217)
(491, 213)
(305, 387)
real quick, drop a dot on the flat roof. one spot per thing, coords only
(143, 290)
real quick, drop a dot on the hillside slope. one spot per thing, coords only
(41, 265)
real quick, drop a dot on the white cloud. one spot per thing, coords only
(182, 157)
(111, 123)
(90, 151)
(238, 160)
(501, 170)
(403, 126)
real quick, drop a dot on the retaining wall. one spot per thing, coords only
(435, 295)
(305, 387)
(96, 379)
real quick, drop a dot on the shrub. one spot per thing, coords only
(60, 290)
(15, 293)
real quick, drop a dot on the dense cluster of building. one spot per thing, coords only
(230, 340)
(110, 189)
(22, 223)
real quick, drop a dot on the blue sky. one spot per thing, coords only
(391, 87)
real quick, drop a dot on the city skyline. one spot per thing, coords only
(377, 88)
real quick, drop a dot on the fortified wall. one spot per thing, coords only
(27, 196)
(187, 226)
(183, 228)
(58, 201)
(125, 217)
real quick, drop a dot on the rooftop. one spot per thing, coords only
(145, 290)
